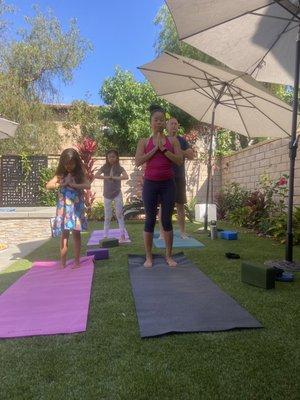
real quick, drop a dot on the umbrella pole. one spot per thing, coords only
(209, 166)
(293, 152)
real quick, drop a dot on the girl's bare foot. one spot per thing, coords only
(171, 263)
(148, 263)
(62, 265)
(122, 239)
(76, 265)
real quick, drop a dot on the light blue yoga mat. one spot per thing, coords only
(177, 241)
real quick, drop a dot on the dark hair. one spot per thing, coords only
(154, 108)
(109, 152)
(67, 156)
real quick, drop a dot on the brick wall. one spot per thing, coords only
(196, 173)
(271, 157)
(15, 231)
(243, 167)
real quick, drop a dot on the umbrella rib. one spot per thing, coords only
(242, 119)
(233, 106)
(274, 17)
(6, 134)
(186, 90)
(236, 88)
(259, 62)
(206, 111)
(215, 79)
(228, 105)
(175, 73)
(210, 86)
(199, 87)
(289, 30)
(214, 26)
(179, 91)
(258, 109)
(238, 98)
(219, 83)
(296, 9)
(205, 93)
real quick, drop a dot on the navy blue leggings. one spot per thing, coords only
(155, 192)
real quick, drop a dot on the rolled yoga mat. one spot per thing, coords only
(190, 242)
(181, 299)
(96, 236)
(47, 300)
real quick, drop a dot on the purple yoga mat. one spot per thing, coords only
(96, 236)
(47, 300)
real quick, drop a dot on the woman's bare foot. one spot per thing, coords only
(148, 263)
(171, 263)
(76, 265)
(62, 265)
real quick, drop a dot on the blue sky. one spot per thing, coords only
(122, 33)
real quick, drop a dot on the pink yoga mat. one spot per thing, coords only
(47, 300)
(96, 236)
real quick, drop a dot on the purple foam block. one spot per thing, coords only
(99, 254)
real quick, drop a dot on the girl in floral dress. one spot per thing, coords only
(71, 181)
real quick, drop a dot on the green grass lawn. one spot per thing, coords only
(111, 361)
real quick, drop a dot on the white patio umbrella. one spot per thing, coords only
(260, 37)
(219, 96)
(256, 36)
(7, 128)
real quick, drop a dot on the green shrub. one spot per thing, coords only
(278, 227)
(258, 209)
(263, 210)
(97, 212)
(240, 216)
(296, 225)
(231, 197)
(47, 197)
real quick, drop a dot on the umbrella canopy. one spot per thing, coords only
(7, 128)
(219, 96)
(256, 36)
(260, 37)
(243, 104)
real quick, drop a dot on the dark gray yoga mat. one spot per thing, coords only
(181, 299)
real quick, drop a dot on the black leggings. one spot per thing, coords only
(153, 193)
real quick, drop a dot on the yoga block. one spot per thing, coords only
(228, 235)
(258, 275)
(109, 242)
(99, 254)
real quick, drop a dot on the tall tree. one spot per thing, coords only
(30, 68)
(4, 8)
(85, 121)
(44, 54)
(126, 114)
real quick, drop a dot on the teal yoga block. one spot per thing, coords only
(111, 242)
(258, 275)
